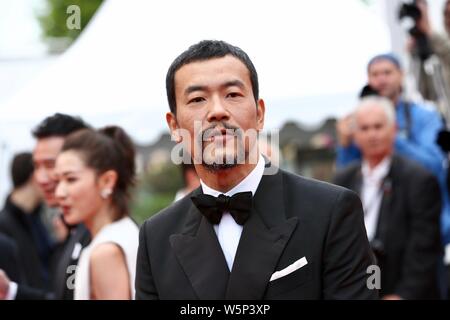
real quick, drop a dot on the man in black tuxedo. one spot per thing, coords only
(11, 267)
(50, 135)
(245, 234)
(9, 263)
(21, 219)
(9, 259)
(402, 206)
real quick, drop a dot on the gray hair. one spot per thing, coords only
(376, 101)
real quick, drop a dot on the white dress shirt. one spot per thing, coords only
(372, 193)
(12, 291)
(228, 231)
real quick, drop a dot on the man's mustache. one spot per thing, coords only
(216, 129)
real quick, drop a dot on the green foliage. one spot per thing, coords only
(53, 19)
(165, 178)
(156, 190)
(145, 205)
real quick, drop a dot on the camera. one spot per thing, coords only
(443, 140)
(366, 91)
(411, 12)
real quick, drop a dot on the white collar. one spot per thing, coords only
(379, 172)
(250, 182)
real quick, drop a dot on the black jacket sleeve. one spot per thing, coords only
(347, 255)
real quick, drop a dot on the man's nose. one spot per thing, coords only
(373, 134)
(42, 176)
(217, 110)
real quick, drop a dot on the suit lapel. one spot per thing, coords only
(263, 239)
(356, 182)
(61, 269)
(386, 202)
(199, 253)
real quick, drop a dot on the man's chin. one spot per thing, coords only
(68, 224)
(224, 160)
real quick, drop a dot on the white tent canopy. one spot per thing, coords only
(310, 55)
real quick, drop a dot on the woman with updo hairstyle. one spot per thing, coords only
(95, 171)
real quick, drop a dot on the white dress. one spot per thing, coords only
(125, 234)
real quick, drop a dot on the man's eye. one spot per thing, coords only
(378, 126)
(196, 100)
(49, 164)
(71, 179)
(234, 95)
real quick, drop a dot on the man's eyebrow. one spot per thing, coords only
(194, 88)
(233, 83)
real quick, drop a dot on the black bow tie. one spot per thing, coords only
(239, 206)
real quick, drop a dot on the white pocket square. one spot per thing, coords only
(289, 269)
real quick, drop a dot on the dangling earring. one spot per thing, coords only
(105, 193)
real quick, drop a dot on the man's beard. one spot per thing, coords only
(225, 162)
(214, 167)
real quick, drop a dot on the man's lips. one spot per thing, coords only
(218, 135)
(65, 209)
(49, 193)
(221, 137)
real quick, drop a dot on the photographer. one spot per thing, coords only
(423, 44)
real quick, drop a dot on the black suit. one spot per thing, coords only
(9, 259)
(179, 256)
(12, 266)
(16, 224)
(63, 259)
(35, 259)
(407, 235)
(64, 262)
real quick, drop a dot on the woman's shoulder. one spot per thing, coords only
(123, 232)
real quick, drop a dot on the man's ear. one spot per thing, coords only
(260, 112)
(173, 126)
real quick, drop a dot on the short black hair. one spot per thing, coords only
(58, 125)
(21, 169)
(205, 50)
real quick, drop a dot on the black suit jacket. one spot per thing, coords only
(65, 262)
(9, 259)
(14, 224)
(63, 269)
(407, 235)
(179, 256)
